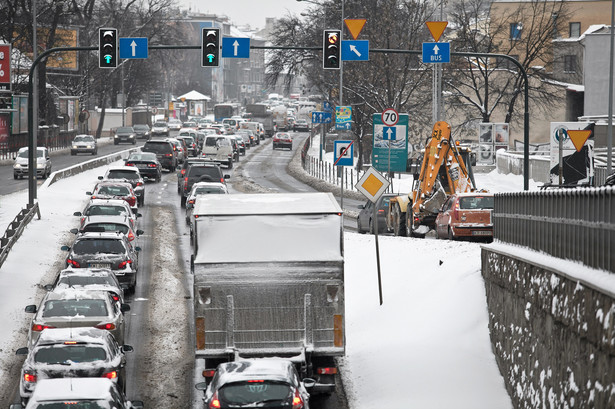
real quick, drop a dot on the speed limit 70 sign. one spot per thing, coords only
(390, 117)
(5, 67)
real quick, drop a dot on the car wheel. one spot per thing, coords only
(72, 153)
(15, 176)
(182, 201)
(359, 227)
(158, 178)
(115, 142)
(229, 165)
(134, 141)
(371, 226)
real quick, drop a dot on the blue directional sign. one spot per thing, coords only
(133, 47)
(343, 153)
(319, 117)
(436, 52)
(355, 50)
(389, 133)
(343, 117)
(235, 47)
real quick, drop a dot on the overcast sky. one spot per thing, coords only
(251, 12)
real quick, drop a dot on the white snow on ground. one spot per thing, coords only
(427, 346)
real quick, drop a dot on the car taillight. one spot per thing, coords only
(326, 371)
(73, 263)
(380, 210)
(183, 172)
(222, 180)
(123, 264)
(456, 211)
(28, 377)
(110, 375)
(131, 236)
(132, 200)
(151, 165)
(168, 155)
(297, 401)
(93, 197)
(209, 373)
(139, 184)
(115, 297)
(215, 402)
(109, 326)
(191, 201)
(185, 182)
(39, 327)
(129, 164)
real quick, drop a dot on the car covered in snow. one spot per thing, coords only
(129, 174)
(107, 189)
(95, 279)
(108, 207)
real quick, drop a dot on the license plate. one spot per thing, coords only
(100, 265)
(141, 166)
(482, 233)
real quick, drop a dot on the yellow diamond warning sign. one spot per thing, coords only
(579, 137)
(372, 184)
(355, 26)
(436, 28)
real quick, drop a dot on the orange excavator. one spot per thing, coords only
(443, 172)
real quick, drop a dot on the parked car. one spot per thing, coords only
(78, 393)
(179, 149)
(115, 190)
(147, 163)
(108, 207)
(72, 352)
(218, 148)
(106, 250)
(466, 216)
(282, 140)
(92, 279)
(84, 144)
(142, 131)
(160, 128)
(74, 309)
(129, 174)
(99, 224)
(43, 163)
(174, 124)
(365, 219)
(202, 188)
(257, 383)
(209, 172)
(165, 153)
(125, 134)
(301, 125)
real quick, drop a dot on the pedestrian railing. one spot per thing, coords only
(16, 228)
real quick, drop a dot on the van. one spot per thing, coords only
(255, 127)
(218, 148)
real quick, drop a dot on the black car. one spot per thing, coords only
(210, 172)
(106, 250)
(142, 131)
(125, 134)
(365, 219)
(184, 168)
(257, 383)
(190, 144)
(164, 151)
(147, 163)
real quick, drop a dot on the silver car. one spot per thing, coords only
(77, 308)
(108, 207)
(202, 188)
(72, 352)
(84, 144)
(96, 279)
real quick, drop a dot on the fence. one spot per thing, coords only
(15, 229)
(51, 137)
(575, 224)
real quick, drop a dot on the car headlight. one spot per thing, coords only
(131, 136)
(89, 147)
(17, 166)
(116, 136)
(40, 165)
(76, 147)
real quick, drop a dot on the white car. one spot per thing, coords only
(43, 163)
(175, 124)
(202, 188)
(218, 148)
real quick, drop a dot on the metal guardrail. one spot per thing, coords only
(575, 224)
(15, 229)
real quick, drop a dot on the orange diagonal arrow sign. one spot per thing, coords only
(579, 137)
(436, 28)
(355, 26)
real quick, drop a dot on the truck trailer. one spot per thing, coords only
(269, 281)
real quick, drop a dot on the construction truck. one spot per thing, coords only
(445, 170)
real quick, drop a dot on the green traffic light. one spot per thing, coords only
(108, 58)
(210, 57)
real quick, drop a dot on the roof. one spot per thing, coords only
(72, 389)
(194, 96)
(267, 203)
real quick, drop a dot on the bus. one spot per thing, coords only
(222, 111)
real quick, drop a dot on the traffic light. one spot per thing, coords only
(331, 49)
(107, 47)
(210, 47)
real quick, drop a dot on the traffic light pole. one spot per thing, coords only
(31, 133)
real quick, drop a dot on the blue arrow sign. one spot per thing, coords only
(319, 117)
(355, 50)
(133, 47)
(436, 52)
(235, 47)
(389, 133)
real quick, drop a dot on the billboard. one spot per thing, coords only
(491, 137)
(64, 37)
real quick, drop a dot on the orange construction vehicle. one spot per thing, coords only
(443, 172)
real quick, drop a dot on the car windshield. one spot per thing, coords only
(141, 127)
(201, 190)
(243, 393)
(100, 227)
(197, 171)
(122, 174)
(24, 153)
(220, 141)
(98, 246)
(80, 281)
(113, 190)
(124, 129)
(160, 124)
(73, 404)
(66, 354)
(188, 139)
(83, 139)
(73, 308)
(476, 203)
(189, 124)
(103, 210)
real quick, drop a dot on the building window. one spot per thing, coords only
(575, 30)
(570, 63)
(515, 31)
